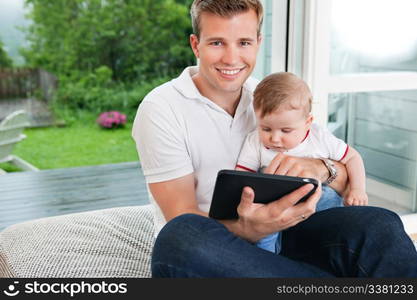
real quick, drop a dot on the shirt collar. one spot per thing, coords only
(184, 84)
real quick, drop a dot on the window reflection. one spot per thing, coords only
(373, 36)
(382, 127)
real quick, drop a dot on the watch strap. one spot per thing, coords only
(332, 170)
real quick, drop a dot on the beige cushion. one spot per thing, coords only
(114, 242)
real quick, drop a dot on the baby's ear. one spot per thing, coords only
(309, 119)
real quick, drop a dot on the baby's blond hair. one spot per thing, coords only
(282, 90)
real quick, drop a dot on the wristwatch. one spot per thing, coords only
(332, 170)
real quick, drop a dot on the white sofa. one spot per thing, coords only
(115, 242)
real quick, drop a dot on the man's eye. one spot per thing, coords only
(216, 43)
(286, 130)
(266, 129)
(245, 43)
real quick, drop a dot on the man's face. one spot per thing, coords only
(227, 50)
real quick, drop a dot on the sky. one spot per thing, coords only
(12, 15)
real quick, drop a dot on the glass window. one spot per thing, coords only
(382, 127)
(373, 36)
(296, 37)
(272, 53)
(263, 62)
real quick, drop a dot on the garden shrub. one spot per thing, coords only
(96, 92)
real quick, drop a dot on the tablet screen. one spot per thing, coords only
(267, 188)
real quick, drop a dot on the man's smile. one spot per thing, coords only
(230, 73)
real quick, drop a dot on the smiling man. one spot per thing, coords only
(189, 128)
(227, 49)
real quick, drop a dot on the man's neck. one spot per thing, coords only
(226, 100)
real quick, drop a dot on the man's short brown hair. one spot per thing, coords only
(224, 8)
(282, 90)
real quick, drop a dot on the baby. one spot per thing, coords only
(282, 104)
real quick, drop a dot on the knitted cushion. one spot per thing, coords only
(115, 242)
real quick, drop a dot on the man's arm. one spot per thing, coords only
(160, 143)
(176, 197)
(308, 167)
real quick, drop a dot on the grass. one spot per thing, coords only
(82, 143)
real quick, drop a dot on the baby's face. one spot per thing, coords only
(283, 129)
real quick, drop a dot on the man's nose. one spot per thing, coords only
(231, 55)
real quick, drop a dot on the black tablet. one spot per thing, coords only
(267, 188)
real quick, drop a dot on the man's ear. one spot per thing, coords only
(259, 40)
(194, 43)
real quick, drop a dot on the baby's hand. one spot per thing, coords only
(356, 197)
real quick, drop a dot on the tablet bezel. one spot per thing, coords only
(230, 183)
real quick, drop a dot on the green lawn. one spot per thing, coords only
(81, 144)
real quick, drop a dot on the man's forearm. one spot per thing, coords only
(340, 184)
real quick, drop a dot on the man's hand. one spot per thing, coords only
(307, 167)
(297, 166)
(259, 220)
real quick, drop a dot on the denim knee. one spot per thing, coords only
(178, 233)
(180, 242)
(369, 215)
(367, 221)
(382, 246)
(383, 221)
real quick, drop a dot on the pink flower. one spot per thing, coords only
(111, 119)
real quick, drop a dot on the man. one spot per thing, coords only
(191, 127)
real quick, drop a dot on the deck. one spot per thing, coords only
(31, 195)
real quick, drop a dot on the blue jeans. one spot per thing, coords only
(356, 241)
(329, 198)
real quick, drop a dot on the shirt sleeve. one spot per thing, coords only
(160, 143)
(249, 157)
(337, 148)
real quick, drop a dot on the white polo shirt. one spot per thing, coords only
(318, 143)
(178, 131)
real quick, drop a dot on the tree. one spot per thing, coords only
(5, 60)
(136, 39)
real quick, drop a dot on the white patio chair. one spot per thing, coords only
(10, 134)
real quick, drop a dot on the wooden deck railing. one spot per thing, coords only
(26, 83)
(26, 196)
